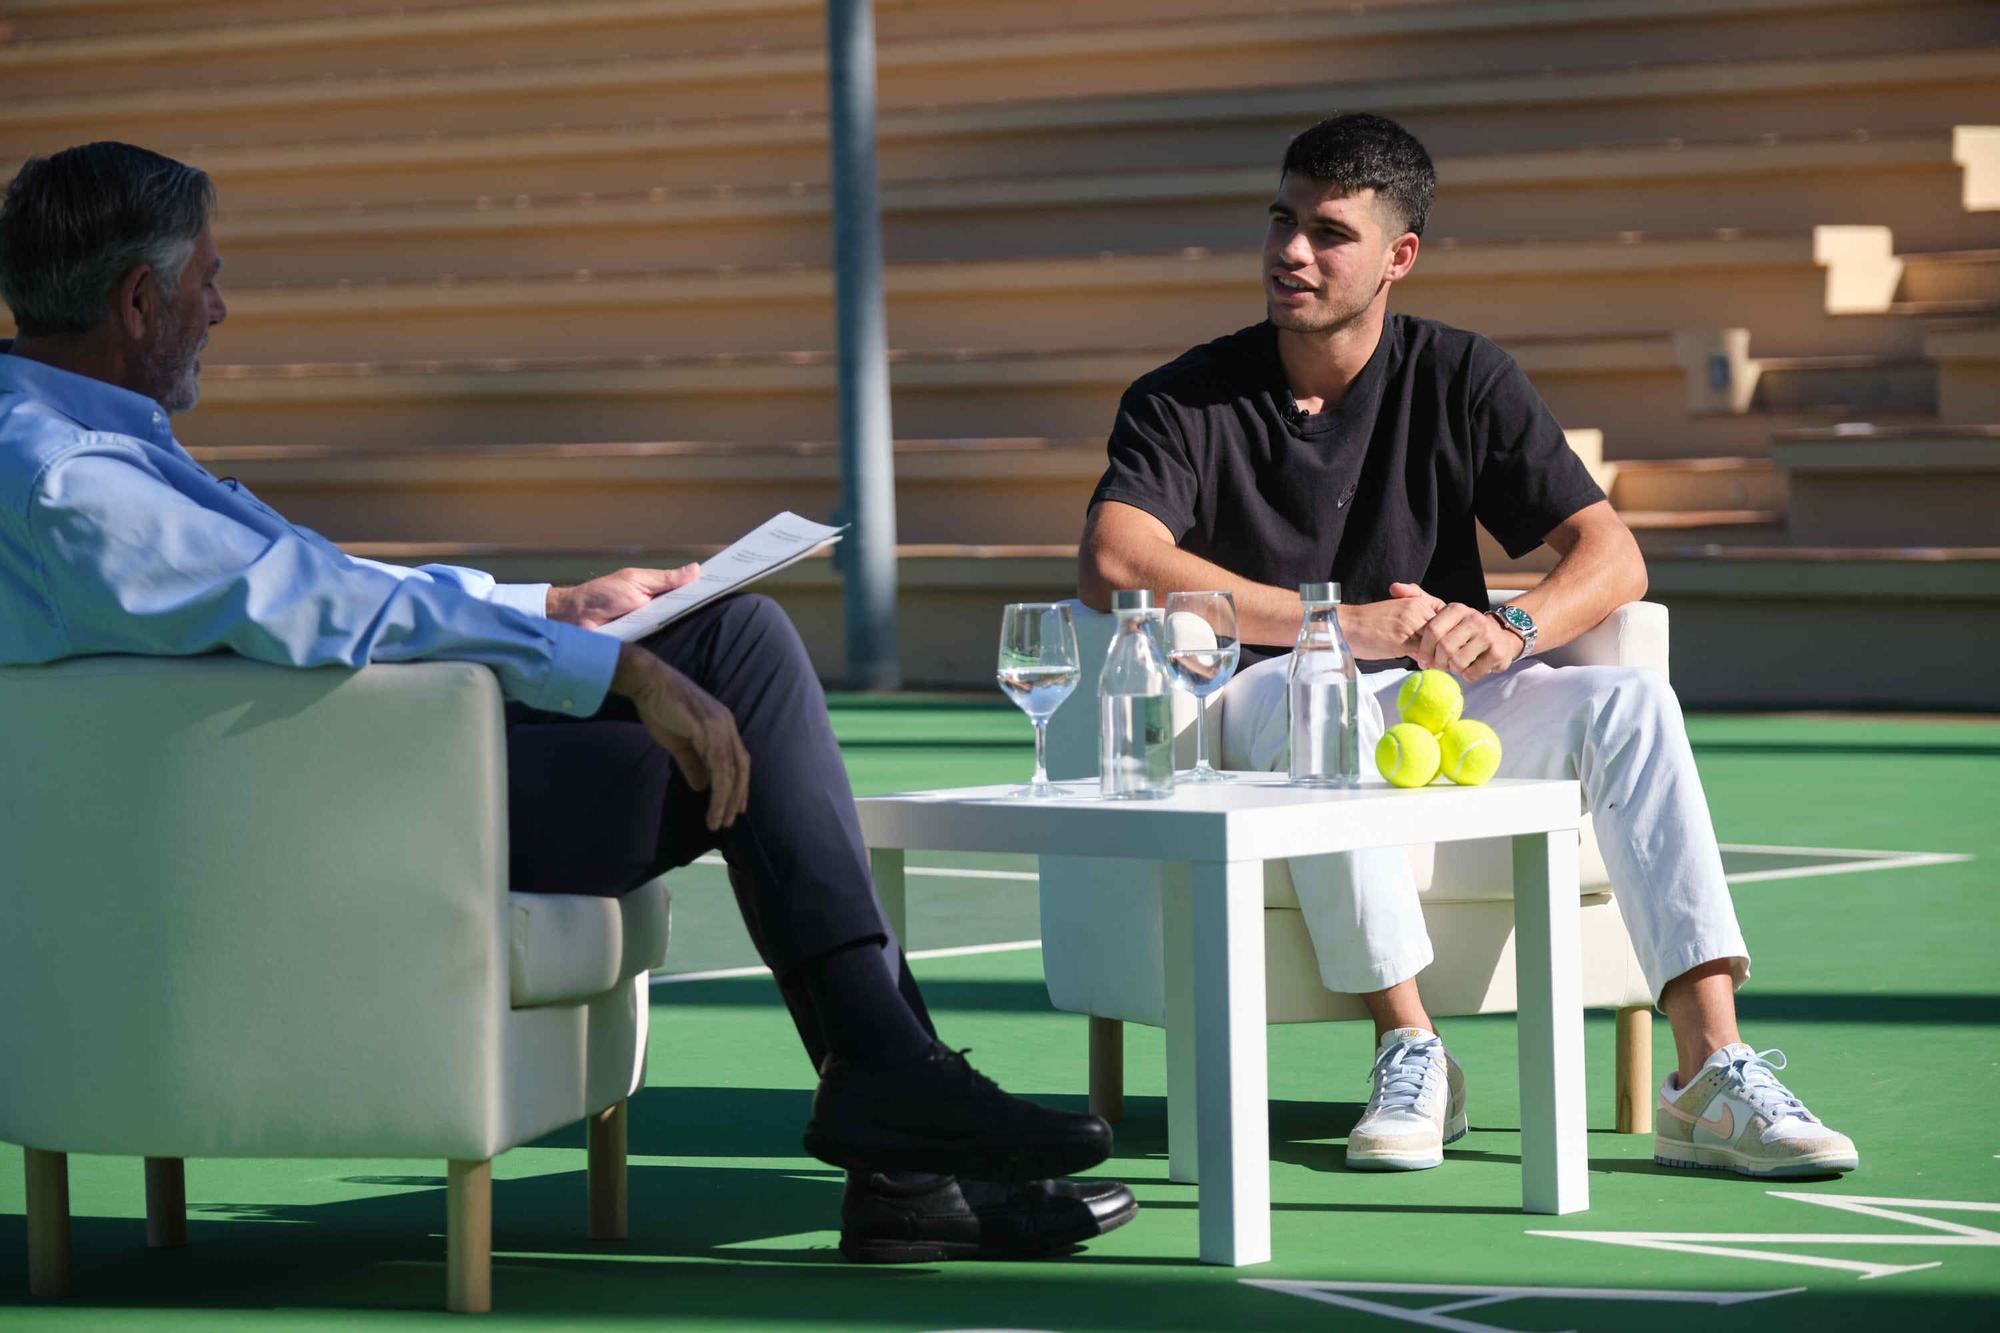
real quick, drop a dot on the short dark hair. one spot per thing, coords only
(72, 225)
(1359, 151)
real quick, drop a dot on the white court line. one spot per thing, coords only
(1864, 860)
(1878, 861)
(1863, 853)
(931, 872)
(958, 951)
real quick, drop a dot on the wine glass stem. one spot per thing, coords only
(1041, 751)
(1200, 734)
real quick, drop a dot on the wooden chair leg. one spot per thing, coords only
(1107, 1068)
(1635, 1070)
(166, 1202)
(607, 1173)
(468, 1237)
(48, 1223)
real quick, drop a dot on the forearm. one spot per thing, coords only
(1264, 614)
(1601, 572)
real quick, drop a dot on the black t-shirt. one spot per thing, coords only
(1441, 428)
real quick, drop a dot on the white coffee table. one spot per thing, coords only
(1214, 930)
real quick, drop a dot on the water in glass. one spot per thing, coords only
(1037, 669)
(1202, 647)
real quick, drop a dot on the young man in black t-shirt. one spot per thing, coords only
(1338, 441)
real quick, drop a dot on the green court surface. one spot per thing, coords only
(1881, 981)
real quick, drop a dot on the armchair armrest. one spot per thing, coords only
(1633, 635)
(232, 887)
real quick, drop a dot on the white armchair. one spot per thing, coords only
(1101, 943)
(259, 912)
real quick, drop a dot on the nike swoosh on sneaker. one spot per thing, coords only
(1722, 1126)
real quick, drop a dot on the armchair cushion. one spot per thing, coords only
(563, 948)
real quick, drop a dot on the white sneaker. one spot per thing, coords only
(1418, 1105)
(1736, 1116)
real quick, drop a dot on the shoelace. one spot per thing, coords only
(1756, 1080)
(1401, 1072)
(963, 1067)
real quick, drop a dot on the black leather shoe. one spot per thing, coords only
(939, 1114)
(887, 1221)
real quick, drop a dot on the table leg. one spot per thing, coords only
(885, 864)
(1232, 1098)
(1177, 960)
(1548, 979)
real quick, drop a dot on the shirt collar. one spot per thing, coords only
(90, 403)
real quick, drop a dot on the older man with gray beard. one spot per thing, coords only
(624, 760)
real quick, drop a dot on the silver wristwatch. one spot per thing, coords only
(1523, 624)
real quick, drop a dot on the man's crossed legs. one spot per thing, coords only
(596, 806)
(1619, 732)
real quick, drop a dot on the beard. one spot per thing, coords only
(172, 367)
(1323, 318)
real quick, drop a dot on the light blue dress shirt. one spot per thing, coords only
(114, 540)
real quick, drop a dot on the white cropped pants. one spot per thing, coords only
(1616, 730)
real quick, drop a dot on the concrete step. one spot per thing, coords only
(1911, 184)
(210, 39)
(993, 491)
(1889, 97)
(1891, 91)
(1681, 485)
(1572, 289)
(589, 56)
(1968, 371)
(1788, 626)
(1954, 278)
(64, 20)
(1850, 386)
(1860, 485)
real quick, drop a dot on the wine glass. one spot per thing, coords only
(1202, 648)
(1038, 669)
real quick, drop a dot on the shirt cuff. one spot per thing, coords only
(581, 664)
(532, 598)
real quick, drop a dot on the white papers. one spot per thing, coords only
(774, 544)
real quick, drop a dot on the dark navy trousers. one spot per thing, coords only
(595, 806)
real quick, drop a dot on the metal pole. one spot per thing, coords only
(867, 467)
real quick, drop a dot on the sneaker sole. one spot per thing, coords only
(1725, 1159)
(1014, 1164)
(1391, 1161)
(876, 1250)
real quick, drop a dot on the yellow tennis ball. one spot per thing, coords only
(1431, 699)
(1471, 752)
(1407, 755)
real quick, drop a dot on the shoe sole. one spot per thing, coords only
(1015, 1164)
(882, 1251)
(1725, 1159)
(1389, 1161)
